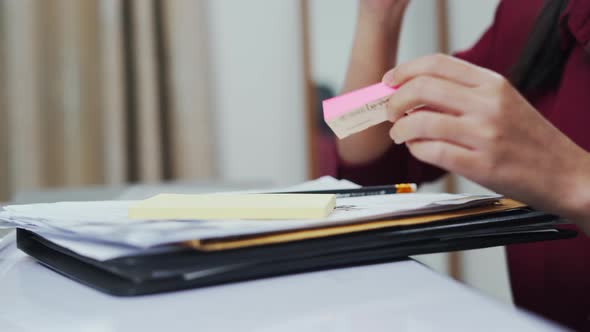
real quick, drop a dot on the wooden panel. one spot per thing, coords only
(90, 126)
(185, 63)
(51, 83)
(22, 93)
(112, 91)
(72, 120)
(310, 95)
(147, 96)
(4, 136)
(70, 82)
(52, 79)
(442, 26)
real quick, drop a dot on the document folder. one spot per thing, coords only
(187, 266)
(304, 234)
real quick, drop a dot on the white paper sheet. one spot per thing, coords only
(107, 221)
(86, 226)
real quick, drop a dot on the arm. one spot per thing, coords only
(373, 53)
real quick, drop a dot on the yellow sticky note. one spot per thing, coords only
(234, 206)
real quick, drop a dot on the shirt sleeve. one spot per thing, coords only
(479, 53)
(397, 165)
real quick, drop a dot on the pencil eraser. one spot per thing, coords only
(234, 206)
(357, 110)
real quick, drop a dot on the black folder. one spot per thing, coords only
(183, 267)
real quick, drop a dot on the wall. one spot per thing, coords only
(468, 20)
(332, 26)
(257, 73)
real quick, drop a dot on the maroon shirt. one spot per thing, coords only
(549, 278)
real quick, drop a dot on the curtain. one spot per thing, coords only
(103, 92)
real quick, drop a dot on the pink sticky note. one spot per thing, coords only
(357, 110)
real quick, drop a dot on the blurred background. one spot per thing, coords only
(108, 93)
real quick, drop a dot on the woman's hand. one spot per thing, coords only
(471, 121)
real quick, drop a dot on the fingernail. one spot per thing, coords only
(388, 78)
(394, 135)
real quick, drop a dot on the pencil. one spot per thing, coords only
(364, 191)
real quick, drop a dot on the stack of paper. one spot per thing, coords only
(103, 230)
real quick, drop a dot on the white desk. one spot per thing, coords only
(402, 296)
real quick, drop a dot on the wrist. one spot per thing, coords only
(376, 44)
(578, 199)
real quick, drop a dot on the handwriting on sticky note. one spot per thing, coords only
(357, 110)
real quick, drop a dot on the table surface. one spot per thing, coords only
(400, 296)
